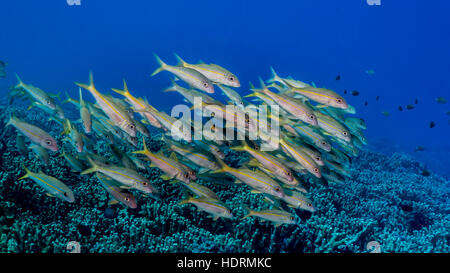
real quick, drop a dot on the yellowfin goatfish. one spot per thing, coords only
(197, 157)
(171, 168)
(257, 180)
(278, 217)
(138, 104)
(295, 107)
(41, 153)
(85, 115)
(320, 95)
(118, 194)
(189, 75)
(312, 136)
(209, 205)
(332, 127)
(213, 72)
(200, 190)
(128, 178)
(75, 137)
(34, 133)
(301, 157)
(232, 95)
(113, 111)
(269, 162)
(294, 199)
(53, 186)
(37, 94)
(191, 94)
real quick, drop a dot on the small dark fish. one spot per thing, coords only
(448, 113)
(419, 149)
(416, 101)
(432, 124)
(385, 113)
(400, 108)
(426, 172)
(338, 77)
(366, 103)
(441, 100)
(355, 93)
(405, 207)
(377, 98)
(345, 91)
(410, 107)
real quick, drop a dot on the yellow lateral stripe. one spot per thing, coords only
(289, 148)
(43, 181)
(209, 203)
(28, 131)
(205, 69)
(241, 173)
(270, 213)
(314, 93)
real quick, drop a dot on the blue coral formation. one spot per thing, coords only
(388, 199)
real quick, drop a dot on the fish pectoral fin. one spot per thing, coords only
(215, 218)
(125, 187)
(237, 181)
(255, 192)
(165, 177)
(113, 202)
(50, 195)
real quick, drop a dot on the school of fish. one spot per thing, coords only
(314, 144)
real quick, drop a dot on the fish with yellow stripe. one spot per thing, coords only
(128, 178)
(276, 216)
(171, 168)
(53, 186)
(34, 133)
(118, 194)
(115, 112)
(257, 180)
(210, 205)
(213, 72)
(189, 75)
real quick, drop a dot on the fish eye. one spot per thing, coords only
(145, 183)
(312, 117)
(205, 84)
(316, 170)
(339, 100)
(277, 189)
(318, 158)
(131, 126)
(65, 194)
(291, 218)
(231, 78)
(324, 143)
(49, 102)
(345, 133)
(309, 205)
(127, 199)
(48, 142)
(191, 172)
(289, 173)
(186, 175)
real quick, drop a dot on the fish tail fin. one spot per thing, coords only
(274, 76)
(173, 87)
(162, 65)
(20, 84)
(27, 173)
(91, 85)
(94, 167)
(181, 62)
(185, 201)
(250, 212)
(244, 147)
(145, 150)
(10, 121)
(223, 167)
(69, 99)
(123, 92)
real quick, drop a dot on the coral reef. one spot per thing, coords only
(387, 200)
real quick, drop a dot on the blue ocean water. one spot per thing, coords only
(52, 44)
